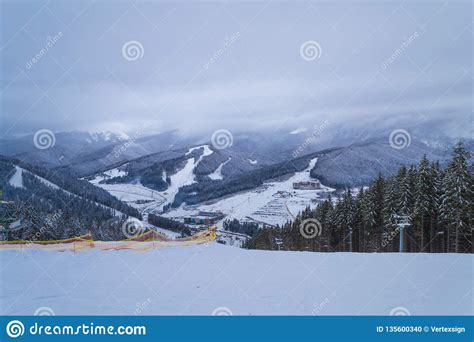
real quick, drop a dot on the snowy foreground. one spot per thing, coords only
(211, 278)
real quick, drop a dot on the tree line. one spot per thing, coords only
(166, 223)
(437, 203)
(48, 213)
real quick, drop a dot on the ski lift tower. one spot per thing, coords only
(350, 239)
(402, 221)
(279, 242)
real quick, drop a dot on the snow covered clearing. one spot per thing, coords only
(108, 175)
(17, 178)
(196, 280)
(272, 203)
(131, 193)
(217, 175)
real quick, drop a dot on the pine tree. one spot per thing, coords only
(358, 230)
(437, 240)
(424, 203)
(377, 191)
(390, 210)
(456, 202)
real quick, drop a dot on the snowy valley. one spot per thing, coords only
(272, 203)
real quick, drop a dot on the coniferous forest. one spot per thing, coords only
(437, 203)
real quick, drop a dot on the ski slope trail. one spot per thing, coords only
(272, 203)
(17, 181)
(154, 200)
(197, 280)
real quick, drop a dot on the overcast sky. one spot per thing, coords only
(233, 65)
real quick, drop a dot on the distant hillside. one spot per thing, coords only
(359, 164)
(34, 195)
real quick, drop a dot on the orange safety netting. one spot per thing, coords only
(144, 242)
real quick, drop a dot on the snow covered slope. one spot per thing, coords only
(17, 178)
(197, 280)
(217, 174)
(148, 200)
(272, 203)
(108, 175)
(17, 181)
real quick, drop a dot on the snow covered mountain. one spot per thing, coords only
(170, 173)
(59, 148)
(35, 194)
(84, 154)
(151, 183)
(359, 164)
(184, 182)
